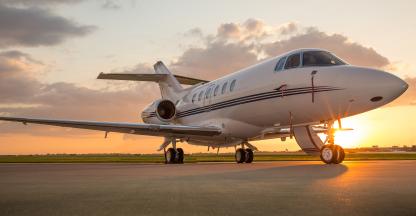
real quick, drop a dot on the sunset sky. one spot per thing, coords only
(52, 50)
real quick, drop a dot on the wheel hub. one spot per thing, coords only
(238, 155)
(327, 154)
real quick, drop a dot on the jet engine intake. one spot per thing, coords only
(165, 110)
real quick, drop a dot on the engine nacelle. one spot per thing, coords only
(159, 112)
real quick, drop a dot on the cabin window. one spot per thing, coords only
(293, 61)
(232, 85)
(193, 98)
(320, 58)
(224, 87)
(200, 95)
(216, 90)
(207, 93)
(280, 64)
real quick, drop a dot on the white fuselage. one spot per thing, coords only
(264, 99)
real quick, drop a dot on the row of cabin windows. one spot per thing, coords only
(309, 58)
(216, 91)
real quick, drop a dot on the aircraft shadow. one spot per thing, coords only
(300, 172)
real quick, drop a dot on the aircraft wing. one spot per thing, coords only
(129, 128)
(149, 77)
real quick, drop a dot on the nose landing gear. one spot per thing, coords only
(331, 153)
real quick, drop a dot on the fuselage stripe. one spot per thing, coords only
(281, 93)
(253, 98)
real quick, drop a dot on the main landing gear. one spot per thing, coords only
(174, 155)
(244, 155)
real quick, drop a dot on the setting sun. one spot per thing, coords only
(350, 138)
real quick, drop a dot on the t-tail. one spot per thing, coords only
(170, 84)
(170, 88)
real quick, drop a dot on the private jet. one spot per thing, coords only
(298, 94)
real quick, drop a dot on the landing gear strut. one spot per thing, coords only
(244, 155)
(332, 153)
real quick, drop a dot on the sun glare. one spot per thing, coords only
(350, 138)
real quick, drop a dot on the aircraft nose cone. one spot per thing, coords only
(404, 86)
(398, 85)
(390, 87)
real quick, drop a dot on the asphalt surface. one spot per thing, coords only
(269, 188)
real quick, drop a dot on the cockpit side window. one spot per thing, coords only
(320, 58)
(280, 64)
(293, 61)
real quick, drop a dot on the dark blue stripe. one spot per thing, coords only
(253, 98)
(228, 104)
(283, 93)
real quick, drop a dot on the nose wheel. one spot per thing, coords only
(332, 154)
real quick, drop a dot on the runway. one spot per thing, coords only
(268, 188)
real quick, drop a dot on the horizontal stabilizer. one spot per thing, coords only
(149, 77)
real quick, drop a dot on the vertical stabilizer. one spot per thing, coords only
(169, 88)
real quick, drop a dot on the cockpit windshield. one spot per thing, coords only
(320, 58)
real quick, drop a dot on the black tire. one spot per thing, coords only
(240, 155)
(329, 154)
(340, 154)
(249, 156)
(180, 155)
(171, 156)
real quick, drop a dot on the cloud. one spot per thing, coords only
(36, 27)
(352, 52)
(194, 32)
(216, 59)
(237, 45)
(16, 61)
(288, 28)
(229, 30)
(254, 25)
(24, 95)
(39, 2)
(111, 5)
(250, 30)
